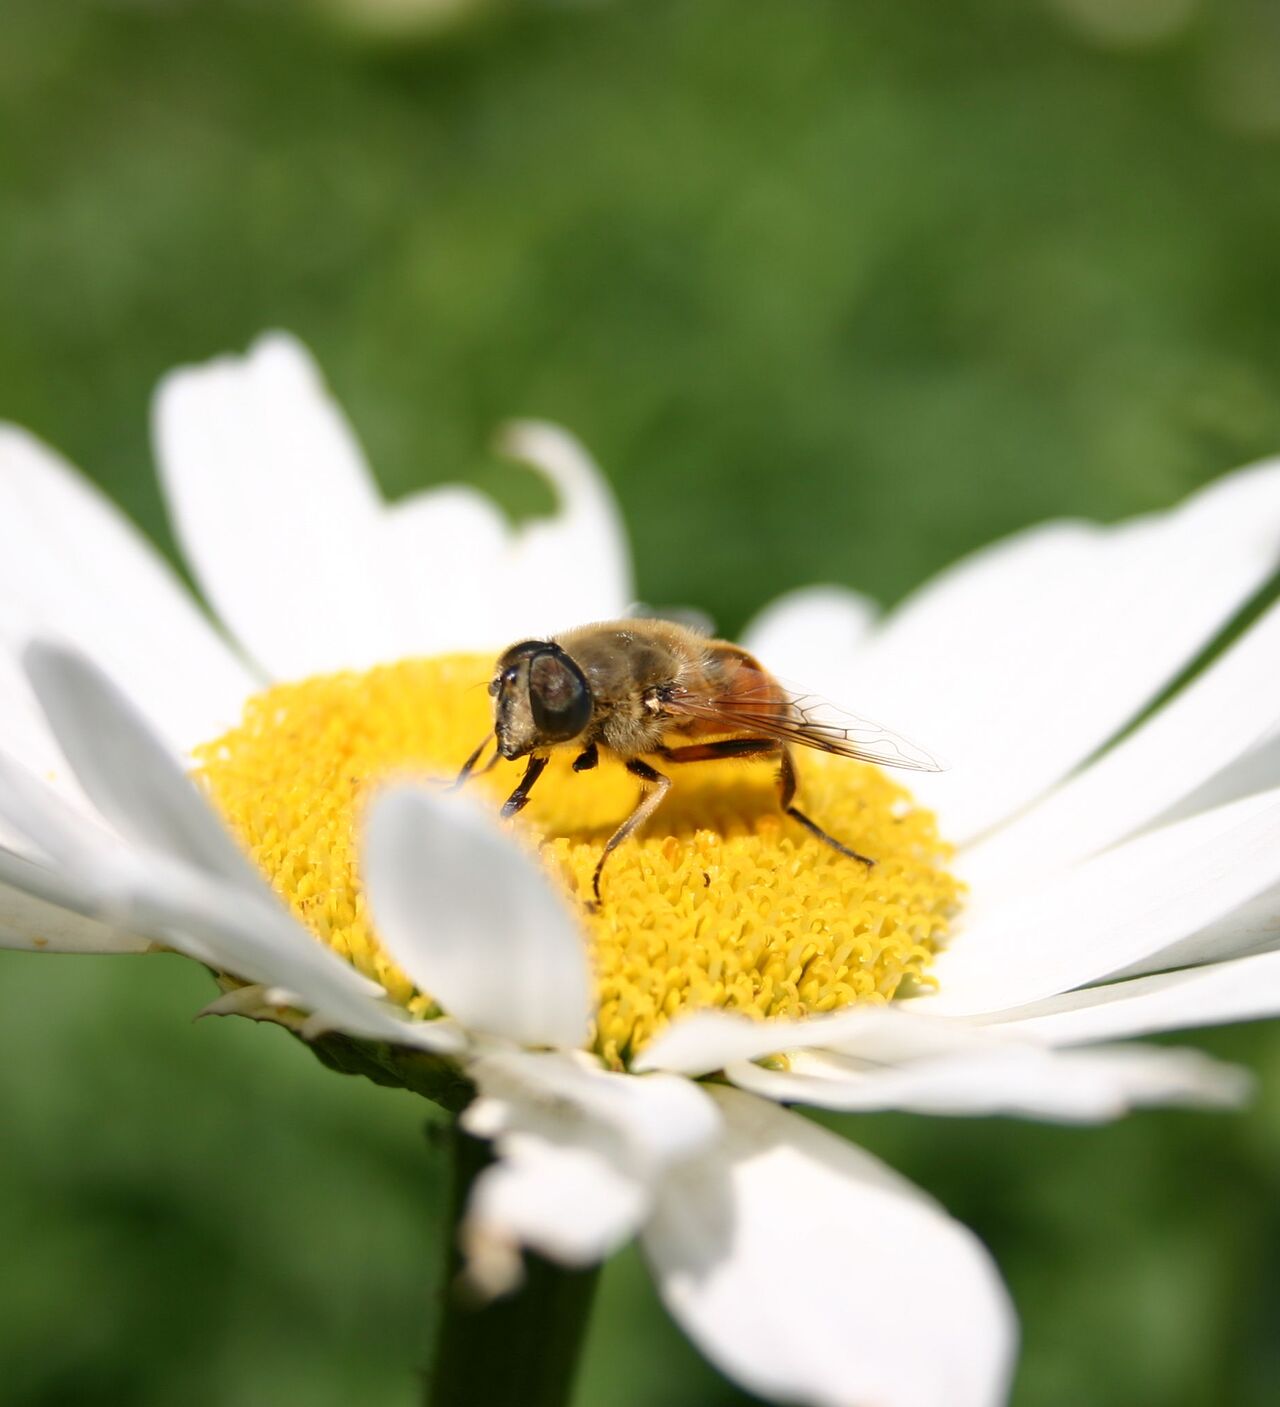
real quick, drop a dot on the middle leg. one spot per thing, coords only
(519, 798)
(645, 808)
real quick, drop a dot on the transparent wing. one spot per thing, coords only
(773, 710)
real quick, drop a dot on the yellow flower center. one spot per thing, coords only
(721, 901)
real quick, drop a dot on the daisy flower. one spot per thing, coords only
(267, 802)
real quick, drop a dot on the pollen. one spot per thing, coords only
(721, 901)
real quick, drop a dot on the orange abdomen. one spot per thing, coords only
(740, 685)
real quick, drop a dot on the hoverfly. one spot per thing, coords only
(654, 689)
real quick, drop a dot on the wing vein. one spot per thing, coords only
(808, 720)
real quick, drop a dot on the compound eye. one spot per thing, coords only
(513, 654)
(558, 697)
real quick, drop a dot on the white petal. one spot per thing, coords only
(275, 510)
(186, 895)
(1130, 903)
(1083, 1086)
(1213, 721)
(451, 545)
(575, 566)
(1049, 643)
(554, 1193)
(137, 784)
(48, 912)
(711, 1040)
(188, 886)
(292, 542)
(1244, 990)
(255, 938)
(25, 734)
(33, 752)
(241, 930)
(473, 920)
(254, 1001)
(812, 636)
(579, 1151)
(809, 1273)
(660, 1119)
(71, 564)
(1254, 771)
(1253, 927)
(48, 824)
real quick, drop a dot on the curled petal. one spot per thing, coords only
(50, 912)
(256, 939)
(1013, 1077)
(580, 1151)
(1246, 989)
(706, 1041)
(472, 919)
(124, 767)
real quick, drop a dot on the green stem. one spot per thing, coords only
(519, 1351)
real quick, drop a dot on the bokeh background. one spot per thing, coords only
(834, 291)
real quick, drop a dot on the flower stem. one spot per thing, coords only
(518, 1351)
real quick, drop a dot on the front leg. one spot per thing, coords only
(468, 767)
(518, 798)
(645, 808)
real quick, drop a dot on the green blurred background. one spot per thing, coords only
(833, 291)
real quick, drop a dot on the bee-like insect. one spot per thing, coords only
(652, 688)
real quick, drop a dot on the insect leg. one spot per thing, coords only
(758, 747)
(727, 747)
(645, 808)
(516, 801)
(786, 796)
(586, 759)
(471, 761)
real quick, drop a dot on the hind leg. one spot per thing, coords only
(760, 747)
(786, 797)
